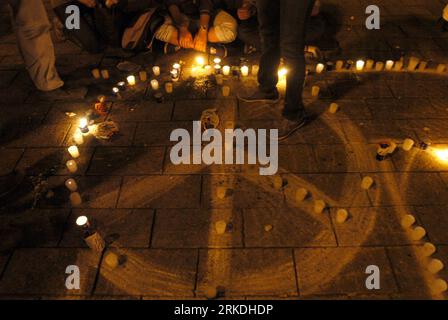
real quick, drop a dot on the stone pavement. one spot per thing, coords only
(161, 218)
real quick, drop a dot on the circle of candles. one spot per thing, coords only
(334, 107)
(341, 216)
(408, 144)
(319, 206)
(278, 182)
(320, 68)
(200, 61)
(226, 70)
(225, 91)
(244, 71)
(408, 221)
(439, 286)
(389, 65)
(435, 266)
(221, 192)
(96, 73)
(72, 166)
(71, 185)
(360, 65)
(301, 194)
(131, 80)
(82, 221)
(220, 227)
(219, 79)
(105, 74)
(169, 87)
(315, 91)
(429, 249)
(418, 234)
(255, 69)
(155, 85)
(74, 152)
(156, 71)
(78, 138)
(367, 183)
(143, 75)
(75, 199)
(379, 66)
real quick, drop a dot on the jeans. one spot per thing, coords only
(282, 29)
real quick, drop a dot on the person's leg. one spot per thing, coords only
(33, 35)
(224, 29)
(249, 34)
(294, 17)
(269, 24)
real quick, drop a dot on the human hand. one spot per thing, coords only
(200, 41)
(88, 3)
(185, 38)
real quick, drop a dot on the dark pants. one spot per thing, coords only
(282, 29)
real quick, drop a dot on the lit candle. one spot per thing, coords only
(334, 107)
(429, 249)
(225, 91)
(418, 234)
(369, 64)
(379, 66)
(255, 69)
(82, 221)
(320, 68)
(71, 185)
(278, 182)
(217, 60)
(72, 166)
(439, 286)
(96, 73)
(408, 144)
(176, 66)
(367, 183)
(175, 75)
(131, 80)
(398, 65)
(319, 206)
(407, 221)
(155, 84)
(78, 137)
(74, 152)
(441, 68)
(389, 65)
(226, 70)
(217, 68)
(169, 87)
(220, 227)
(83, 125)
(244, 71)
(156, 71)
(200, 61)
(301, 194)
(121, 85)
(435, 266)
(208, 69)
(75, 199)
(422, 66)
(143, 75)
(221, 192)
(315, 91)
(341, 216)
(413, 62)
(360, 65)
(105, 74)
(339, 65)
(219, 79)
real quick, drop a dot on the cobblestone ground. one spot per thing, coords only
(161, 218)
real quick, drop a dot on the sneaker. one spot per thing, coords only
(288, 127)
(169, 48)
(261, 97)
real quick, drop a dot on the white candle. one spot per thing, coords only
(155, 85)
(413, 63)
(320, 68)
(221, 192)
(334, 107)
(72, 166)
(220, 227)
(398, 65)
(418, 234)
(319, 206)
(217, 60)
(75, 199)
(82, 221)
(143, 75)
(131, 80)
(217, 68)
(156, 71)
(169, 87)
(255, 69)
(78, 138)
(369, 64)
(175, 75)
(71, 185)
(439, 286)
(360, 65)
(225, 91)
(435, 266)
(379, 66)
(226, 70)
(441, 68)
(422, 66)
(96, 73)
(429, 249)
(176, 66)
(208, 69)
(83, 125)
(366, 183)
(278, 182)
(408, 144)
(244, 71)
(315, 91)
(105, 74)
(219, 79)
(339, 65)
(407, 221)
(341, 216)
(301, 194)
(200, 61)
(74, 152)
(389, 65)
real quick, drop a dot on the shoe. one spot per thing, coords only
(169, 48)
(261, 97)
(288, 127)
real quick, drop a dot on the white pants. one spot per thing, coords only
(225, 28)
(33, 36)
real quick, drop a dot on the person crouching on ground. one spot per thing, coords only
(193, 24)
